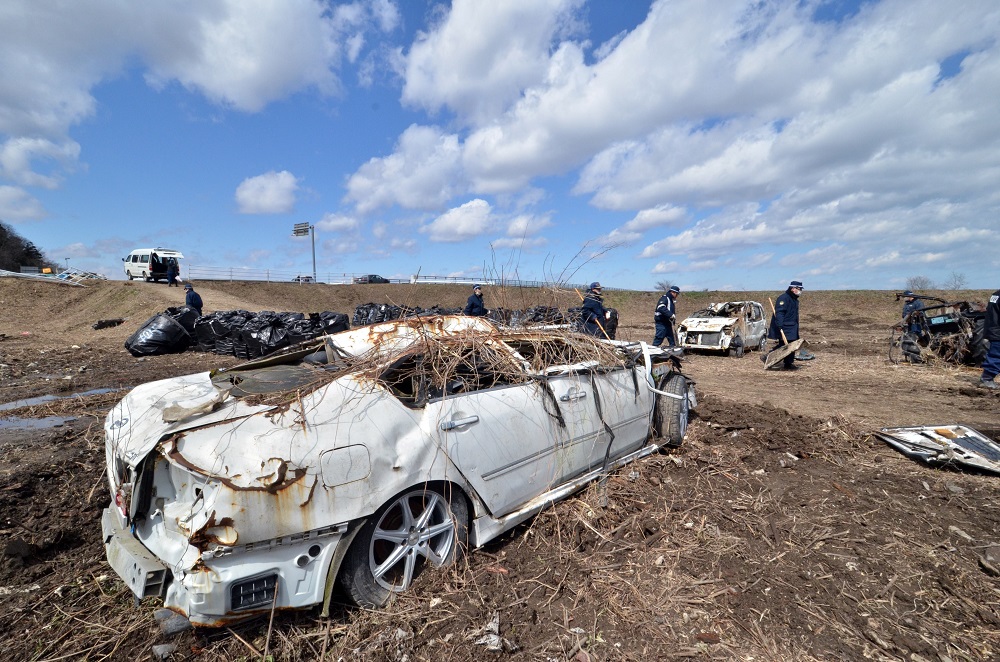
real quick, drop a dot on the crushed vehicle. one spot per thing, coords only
(732, 327)
(952, 331)
(346, 464)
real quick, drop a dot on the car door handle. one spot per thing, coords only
(459, 422)
(573, 396)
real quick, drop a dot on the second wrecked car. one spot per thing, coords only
(731, 327)
(345, 466)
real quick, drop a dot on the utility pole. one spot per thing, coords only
(303, 229)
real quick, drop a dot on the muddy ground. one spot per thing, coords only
(781, 530)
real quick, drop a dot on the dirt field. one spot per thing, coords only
(781, 530)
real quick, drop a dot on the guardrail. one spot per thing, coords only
(198, 272)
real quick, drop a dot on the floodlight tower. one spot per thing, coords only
(303, 229)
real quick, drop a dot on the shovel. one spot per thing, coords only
(775, 356)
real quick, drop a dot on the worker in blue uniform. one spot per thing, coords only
(785, 321)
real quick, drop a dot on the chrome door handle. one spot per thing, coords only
(451, 425)
(573, 396)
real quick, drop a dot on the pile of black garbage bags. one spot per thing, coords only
(238, 333)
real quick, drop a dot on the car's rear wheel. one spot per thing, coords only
(129, 274)
(420, 526)
(670, 415)
(145, 277)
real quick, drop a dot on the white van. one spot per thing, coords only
(150, 263)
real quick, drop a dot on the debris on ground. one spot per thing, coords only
(953, 446)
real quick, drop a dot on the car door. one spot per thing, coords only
(495, 424)
(501, 441)
(626, 407)
(598, 411)
(756, 323)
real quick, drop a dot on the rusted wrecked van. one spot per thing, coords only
(345, 466)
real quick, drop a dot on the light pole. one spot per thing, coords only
(303, 229)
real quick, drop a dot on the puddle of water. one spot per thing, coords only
(17, 404)
(34, 423)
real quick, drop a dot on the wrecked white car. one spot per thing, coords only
(344, 467)
(732, 327)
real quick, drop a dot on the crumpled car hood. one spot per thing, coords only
(137, 423)
(708, 323)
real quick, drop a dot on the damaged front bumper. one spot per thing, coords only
(228, 584)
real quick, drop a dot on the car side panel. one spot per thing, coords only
(501, 441)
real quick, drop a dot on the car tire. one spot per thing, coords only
(421, 525)
(670, 414)
(762, 345)
(130, 276)
(145, 277)
(736, 347)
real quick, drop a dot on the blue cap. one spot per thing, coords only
(595, 285)
(188, 286)
(796, 283)
(674, 288)
(477, 286)
(908, 293)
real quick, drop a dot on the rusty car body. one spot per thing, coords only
(344, 466)
(731, 327)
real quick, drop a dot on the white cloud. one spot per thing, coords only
(471, 220)
(270, 193)
(423, 173)
(341, 246)
(520, 243)
(16, 204)
(482, 56)
(525, 225)
(18, 155)
(338, 223)
(227, 50)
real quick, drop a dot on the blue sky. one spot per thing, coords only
(719, 145)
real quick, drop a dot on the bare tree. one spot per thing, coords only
(955, 281)
(914, 283)
(663, 285)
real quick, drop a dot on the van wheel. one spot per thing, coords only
(130, 276)
(419, 527)
(145, 277)
(670, 416)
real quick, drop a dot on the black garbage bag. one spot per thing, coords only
(361, 314)
(185, 316)
(440, 310)
(230, 325)
(500, 315)
(303, 329)
(331, 322)
(262, 334)
(161, 334)
(206, 331)
(544, 315)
